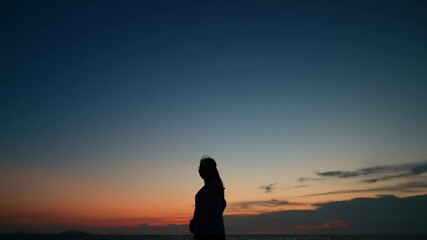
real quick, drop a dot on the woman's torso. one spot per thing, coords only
(210, 205)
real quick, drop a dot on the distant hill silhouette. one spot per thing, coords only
(27, 233)
(74, 233)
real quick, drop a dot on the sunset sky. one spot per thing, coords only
(108, 106)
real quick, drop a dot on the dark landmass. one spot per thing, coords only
(27, 233)
(70, 232)
(74, 233)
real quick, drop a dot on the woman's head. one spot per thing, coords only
(208, 170)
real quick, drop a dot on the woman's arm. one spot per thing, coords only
(209, 202)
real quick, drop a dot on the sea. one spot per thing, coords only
(229, 237)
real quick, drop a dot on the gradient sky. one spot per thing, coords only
(107, 106)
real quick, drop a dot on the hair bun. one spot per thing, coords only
(208, 160)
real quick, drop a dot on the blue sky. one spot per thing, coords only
(211, 66)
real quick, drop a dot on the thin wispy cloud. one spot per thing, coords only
(299, 186)
(374, 174)
(395, 171)
(303, 179)
(417, 186)
(267, 203)
(378, 179)
(268, 188)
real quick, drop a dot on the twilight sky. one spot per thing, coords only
(107, 107)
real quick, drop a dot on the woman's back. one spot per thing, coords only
(210, 205)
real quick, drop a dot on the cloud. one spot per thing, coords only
(303, 179)
(374, 180)
(381, 173)
(383, 215)
(419, 169)
(299, 186)
(401, 187)
(268, 188)
(267, 203)
(374, 174)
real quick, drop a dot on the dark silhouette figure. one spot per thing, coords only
(207, 222)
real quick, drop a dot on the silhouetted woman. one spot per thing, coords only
(207, 222)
